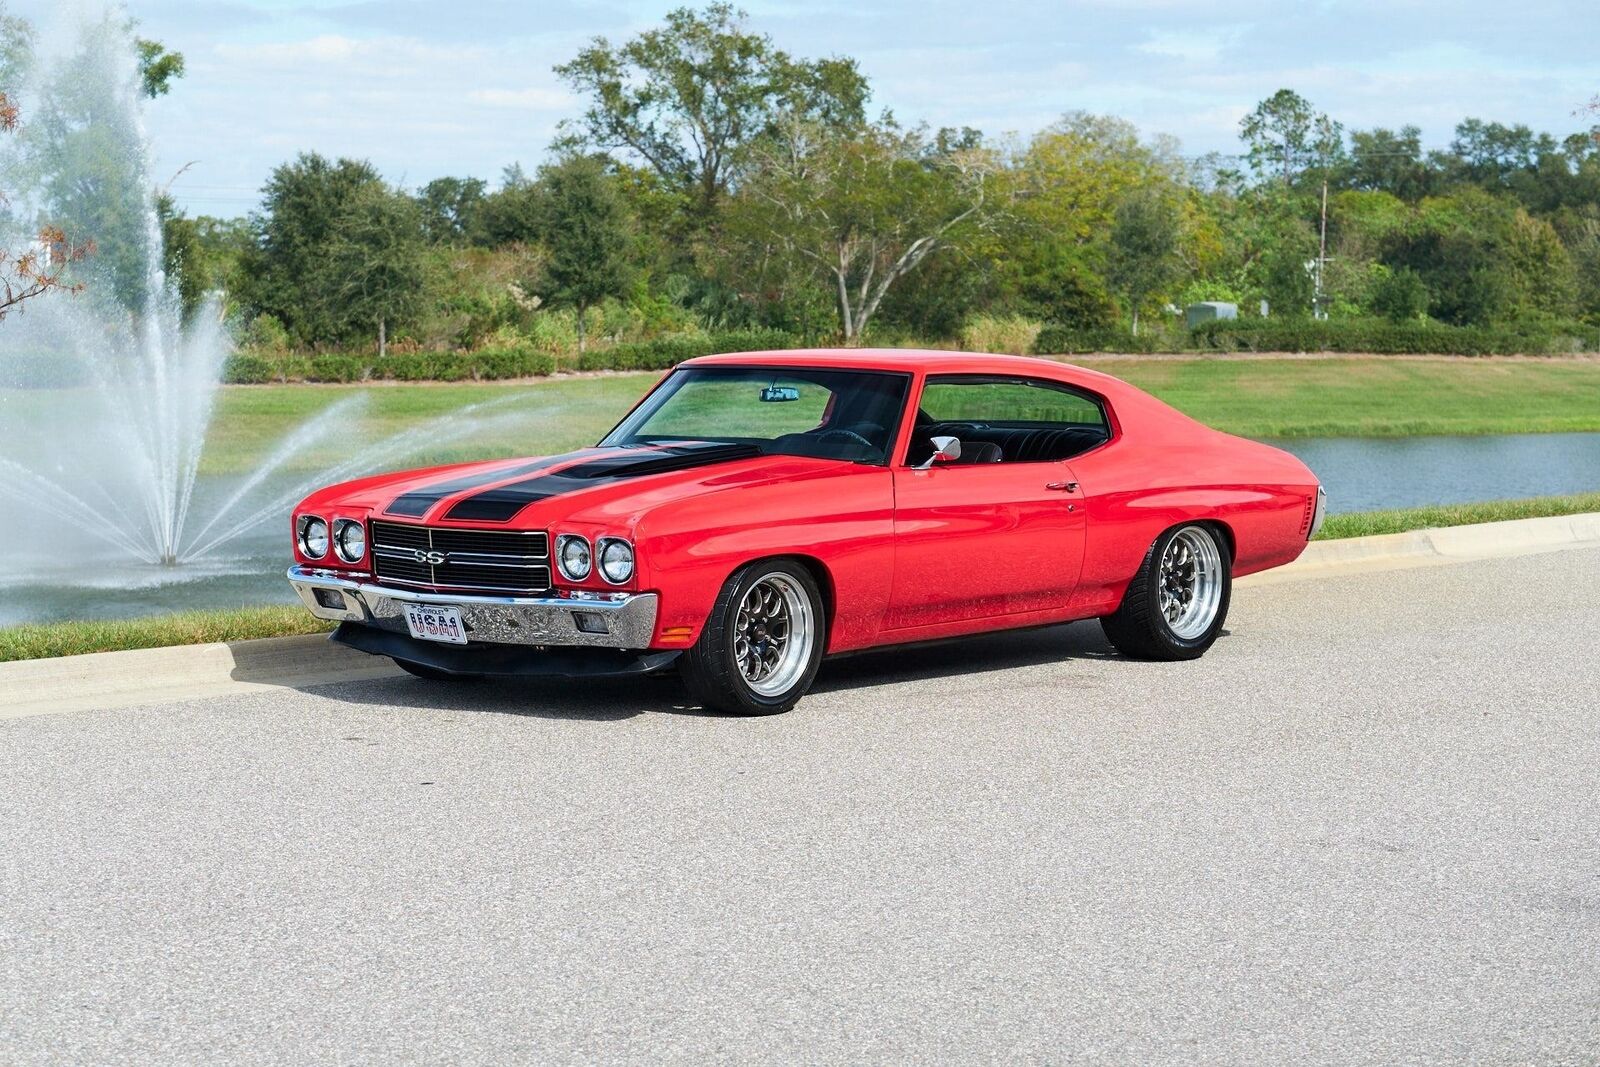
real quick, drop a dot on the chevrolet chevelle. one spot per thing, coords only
(756, 512)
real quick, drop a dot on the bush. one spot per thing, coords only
(242, 369)
(666, 352)
(1070, 341)
(1400, 296)
(1011, 334)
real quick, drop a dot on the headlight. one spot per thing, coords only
(572, 555)
(313, 536)
(616, 560)
(350, 540)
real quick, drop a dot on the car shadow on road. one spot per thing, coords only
(618, 699)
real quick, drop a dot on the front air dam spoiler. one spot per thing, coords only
(511, 660)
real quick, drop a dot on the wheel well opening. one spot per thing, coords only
(820, 574)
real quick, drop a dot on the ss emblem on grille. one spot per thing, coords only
(432, 559)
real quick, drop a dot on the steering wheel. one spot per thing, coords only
(850, 434)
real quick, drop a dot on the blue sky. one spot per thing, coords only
(430, 87)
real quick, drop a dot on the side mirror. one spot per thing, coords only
(945, 450)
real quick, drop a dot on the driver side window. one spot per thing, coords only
(1008, 420)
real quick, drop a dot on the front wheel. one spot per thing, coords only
(1175, 606)
(760, 649)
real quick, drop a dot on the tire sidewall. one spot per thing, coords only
(742, 582)
(1193, 646)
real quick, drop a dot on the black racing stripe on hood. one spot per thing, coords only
(504, 502)
(417, 502)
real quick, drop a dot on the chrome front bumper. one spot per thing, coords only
(628, 621)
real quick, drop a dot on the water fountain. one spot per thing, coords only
(107, 398)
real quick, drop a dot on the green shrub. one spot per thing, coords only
(337, 369)
(1011, 334)
(664, 352)
(242, 369)
(1072, 341)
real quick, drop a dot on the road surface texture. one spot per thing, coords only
(1364, 829)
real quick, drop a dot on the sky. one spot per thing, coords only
(425, 88)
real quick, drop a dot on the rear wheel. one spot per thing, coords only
(1176, 605)
(433, 674)
(760, 649)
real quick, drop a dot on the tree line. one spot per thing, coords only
(713, 181)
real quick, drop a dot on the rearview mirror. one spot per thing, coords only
(779, 394)
(945, 450)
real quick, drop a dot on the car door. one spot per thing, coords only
(976, 540)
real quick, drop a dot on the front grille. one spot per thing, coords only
(497, 560)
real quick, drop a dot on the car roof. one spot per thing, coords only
(931, 361)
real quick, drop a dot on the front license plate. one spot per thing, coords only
(430, 623)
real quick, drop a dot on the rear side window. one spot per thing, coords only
(1007, 420)
(1010, 402)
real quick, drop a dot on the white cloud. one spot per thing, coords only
(534, 99)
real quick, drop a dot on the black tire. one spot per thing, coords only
(1140, 629)
(433, 674)
(711, 668)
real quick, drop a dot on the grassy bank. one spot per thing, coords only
(77, 638)
(157, 631)
(1368, 523)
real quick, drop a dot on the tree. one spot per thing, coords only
(687, 97)
(452, 209)
(861, 211)
(586, 237)
(83, 149)
(158, 68)
(1284, 134)
(44, 265)
(1144, 248)
(338, 253)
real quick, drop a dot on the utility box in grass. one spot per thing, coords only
(1209, 311)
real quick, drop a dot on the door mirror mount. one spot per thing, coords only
(945, 450)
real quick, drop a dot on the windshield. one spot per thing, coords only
(789, 411)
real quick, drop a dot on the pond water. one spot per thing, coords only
(1374, 473)
(1360, 474)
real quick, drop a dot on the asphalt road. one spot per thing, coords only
(1364, 829)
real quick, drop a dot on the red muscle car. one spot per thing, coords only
(756, 512)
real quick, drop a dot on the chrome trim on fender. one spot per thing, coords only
(629, 619)
(1320, 514)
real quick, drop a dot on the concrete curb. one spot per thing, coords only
(107, 680)
(1448, 544)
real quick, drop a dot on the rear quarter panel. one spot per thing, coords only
(1163, 469)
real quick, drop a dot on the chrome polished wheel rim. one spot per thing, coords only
(773, 634)
(1191, 582)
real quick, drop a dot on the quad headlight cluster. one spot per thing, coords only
(347, 538)
(576, 559)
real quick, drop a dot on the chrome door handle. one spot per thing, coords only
(1065, 487)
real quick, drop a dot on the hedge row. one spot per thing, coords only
(246, 368)
(669, 351)
(1378, 336)
(1399, 338)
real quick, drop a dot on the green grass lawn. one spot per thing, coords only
(1352, 395)
(1348, 395)
(1373, 396)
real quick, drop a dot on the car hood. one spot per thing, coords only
(599, 484)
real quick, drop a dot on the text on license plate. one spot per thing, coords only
(430, 623)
